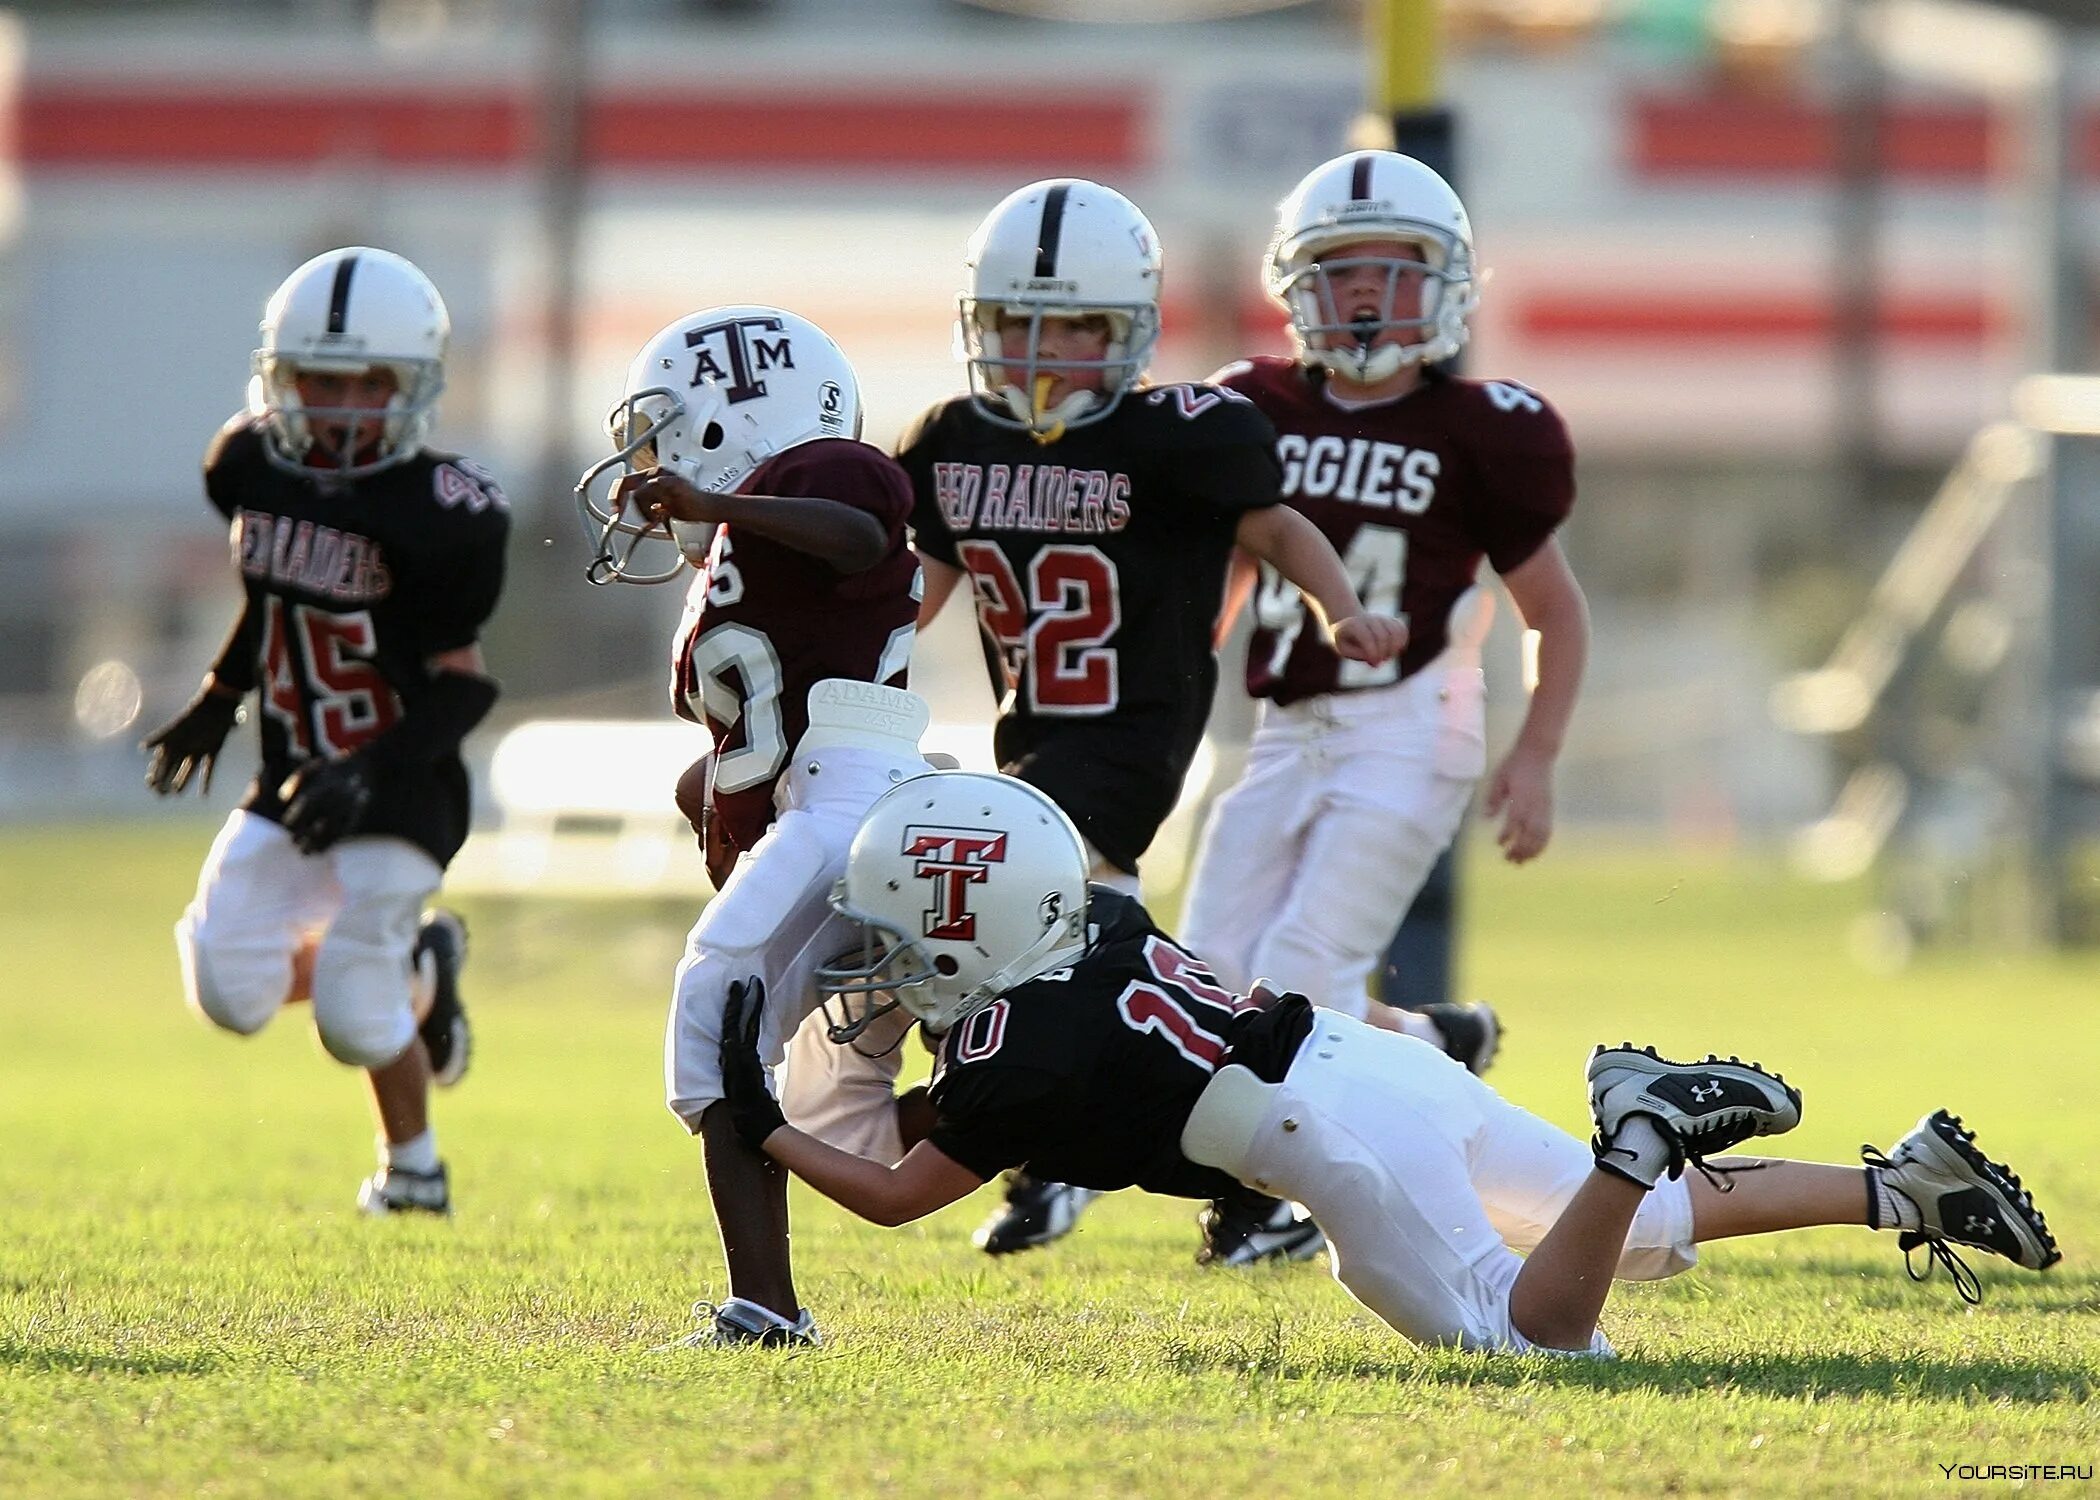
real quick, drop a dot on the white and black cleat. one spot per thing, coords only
(1235, 1234)
(441, 952)
(1963, 1198)
(1702, 1108)
(396, 1190)
(1035, 1213)
(741, 1323)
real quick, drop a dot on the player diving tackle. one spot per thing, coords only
(1076, 1038)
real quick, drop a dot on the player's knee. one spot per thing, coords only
(363, 997)
(235, 986)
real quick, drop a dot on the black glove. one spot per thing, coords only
(183, 750)
(325, 802)
(752, 1108)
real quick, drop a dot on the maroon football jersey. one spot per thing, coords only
(1412, 494)
(764, 622)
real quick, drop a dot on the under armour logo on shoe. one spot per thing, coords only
(1974, 1225)
(1704, 1091)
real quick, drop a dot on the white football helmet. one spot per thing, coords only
(1064, 248)
(964, 885)
(711, 397)
(340, 314)
(1373, 195)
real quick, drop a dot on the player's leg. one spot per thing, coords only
(241, 939)
(1249, 855)
(766, 921)
(845, 1094)
(1117, 787)
(365, 1012)
(1373, 843)
(1652, 1116)
(1935, 1188)
(776, 894)
(1368, 1130)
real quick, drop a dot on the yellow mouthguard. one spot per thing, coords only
(1055, 430)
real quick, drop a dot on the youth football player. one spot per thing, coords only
(369, 564)
(1093, 516)
(738, 436)
(1076, 1037)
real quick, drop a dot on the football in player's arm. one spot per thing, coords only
(1076, 1037)
(369, 565)
(802, 596)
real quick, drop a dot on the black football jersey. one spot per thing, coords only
(1087, 1074)
(1098, 565)
(352, 586)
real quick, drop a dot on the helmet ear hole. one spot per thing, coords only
(711, 436)
(945, 965)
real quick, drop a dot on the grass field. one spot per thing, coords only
(190, 1305)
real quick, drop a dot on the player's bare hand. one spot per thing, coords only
(1370, 638)
(1521, 794)
(659, 497)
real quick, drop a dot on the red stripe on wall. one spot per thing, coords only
(1738, 319)
(1672, 135)
(106, 126)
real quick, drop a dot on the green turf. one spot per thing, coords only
(188, 1303)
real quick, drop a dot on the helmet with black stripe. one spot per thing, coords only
(350, 312)
(1060, 249)
(1393, 217)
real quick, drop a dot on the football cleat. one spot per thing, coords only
(1963, 1197)
(441, 944)
(741, 1323)
(1702, 1108)
(1472, 1033)
(1234, 1236)
(396, 1190)
(1035, 1213)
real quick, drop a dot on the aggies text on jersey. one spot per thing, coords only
(1411, 494)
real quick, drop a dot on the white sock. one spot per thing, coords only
(1892, 1210)
(1640, 1149)
(416, 1154)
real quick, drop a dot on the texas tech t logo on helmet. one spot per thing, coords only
(954, 859)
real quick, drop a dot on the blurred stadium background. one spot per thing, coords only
(1790, 268)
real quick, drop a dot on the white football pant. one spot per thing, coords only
(258, 898)
(1427, 1182)
(1308, 863)
(774, 919)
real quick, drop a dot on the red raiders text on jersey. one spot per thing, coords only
(764, 623)
(1412, 495)
(351, 586)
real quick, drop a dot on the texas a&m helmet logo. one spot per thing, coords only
(744, 344)
(954, 859)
